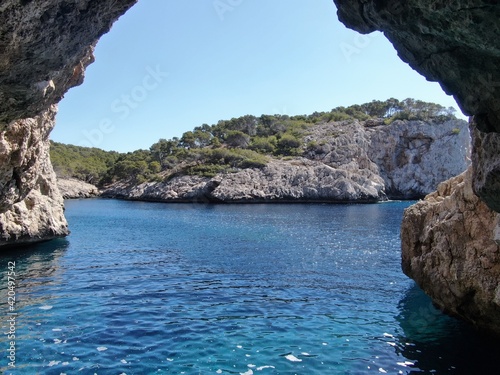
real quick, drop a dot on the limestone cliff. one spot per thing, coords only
(299, 181)
(411, 157)
(449, 249)
(45, 47)
(31, 208)
(414, 157)
(350, 161)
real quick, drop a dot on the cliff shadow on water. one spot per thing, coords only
(33, 261)
(437, 343)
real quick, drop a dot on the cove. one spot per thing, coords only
(148, 288)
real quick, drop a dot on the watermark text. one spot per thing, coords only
(123, 106)
(11, 314)
(224, 6)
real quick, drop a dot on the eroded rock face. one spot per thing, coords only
(45, 47)
(301, 180)
(449, 249)
(411, 157)
(415, 156)
(31, 208)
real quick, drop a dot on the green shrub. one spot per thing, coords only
(312, 146)
(338, 116)
(140, 179)
(265, 145)
(84, 163)
(156, 178)
(206, 170)
(154, 167)
(214, 161)
(171, 161)
(289, 144)
(236, 138)
(253, 163)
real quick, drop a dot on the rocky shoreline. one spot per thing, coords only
(352, 161)
(300, 181)
(71, 188)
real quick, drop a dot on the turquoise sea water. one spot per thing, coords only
(145, 288)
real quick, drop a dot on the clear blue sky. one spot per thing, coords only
(170, 65)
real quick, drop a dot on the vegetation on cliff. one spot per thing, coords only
(229, 145)
(83, 163)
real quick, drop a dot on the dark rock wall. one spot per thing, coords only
(45, 47)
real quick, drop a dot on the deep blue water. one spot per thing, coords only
(145, 288)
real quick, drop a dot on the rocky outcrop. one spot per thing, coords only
(449, 248)
(31, 208)
(299, 181)
(45, 47)
(347, 161)
(71, 188)
(412, 157)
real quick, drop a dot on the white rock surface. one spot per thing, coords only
(414, 157)
(31, 207)
(74, 189)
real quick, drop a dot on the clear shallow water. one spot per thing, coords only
(144, 288)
